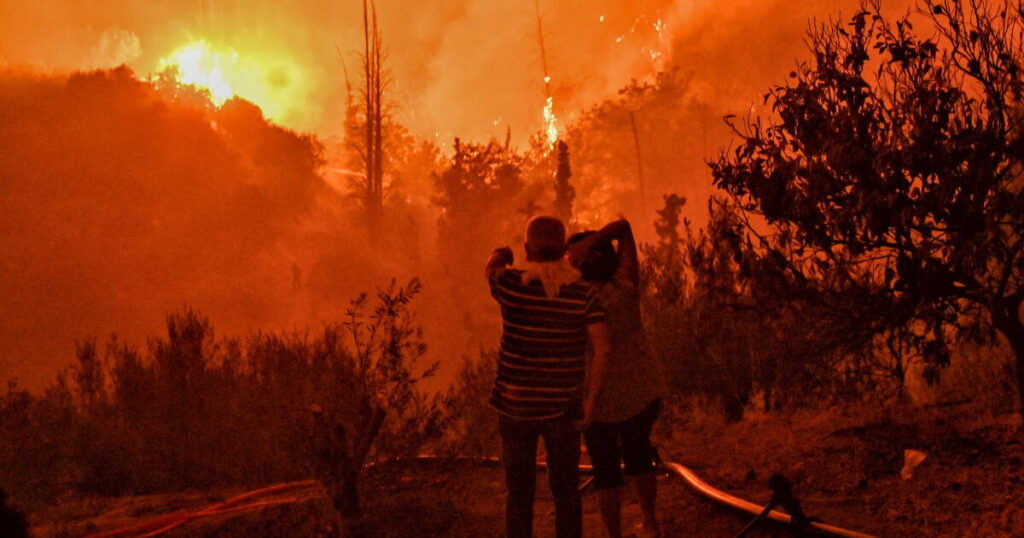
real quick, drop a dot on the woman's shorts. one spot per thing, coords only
(612, 443)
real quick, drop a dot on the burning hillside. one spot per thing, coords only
(454, 227)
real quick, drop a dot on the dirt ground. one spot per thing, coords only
(845, 466)
(456, 500)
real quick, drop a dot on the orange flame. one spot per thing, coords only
(551, 121)
(272, 83)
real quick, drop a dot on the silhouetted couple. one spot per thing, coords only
(564, 295)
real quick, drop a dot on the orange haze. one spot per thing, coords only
(117, 205)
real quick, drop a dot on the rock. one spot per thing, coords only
(911, 458)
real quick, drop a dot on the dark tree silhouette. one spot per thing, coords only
(479, 187)
(366, 119)
(899, 158)
(564, 191)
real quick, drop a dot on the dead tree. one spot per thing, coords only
(370, 187)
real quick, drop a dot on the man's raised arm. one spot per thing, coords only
(500, 259)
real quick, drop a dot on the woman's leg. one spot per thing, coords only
(646, 489)
(603, 446)
(639, 456)
(609, 502)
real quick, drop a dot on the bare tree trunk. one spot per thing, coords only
(373, 158)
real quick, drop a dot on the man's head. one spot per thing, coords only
(545, 239)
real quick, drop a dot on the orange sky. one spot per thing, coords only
(458, 67)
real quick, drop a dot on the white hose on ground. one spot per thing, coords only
(696, 483)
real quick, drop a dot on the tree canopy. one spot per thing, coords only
(896, 155)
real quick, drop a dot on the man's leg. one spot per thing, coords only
(519, 457)
(562, 442)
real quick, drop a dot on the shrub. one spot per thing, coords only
(194, 411)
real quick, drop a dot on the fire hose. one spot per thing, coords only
(161, 525)
(299, 492)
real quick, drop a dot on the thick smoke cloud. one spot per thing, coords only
(467, 68)
(470, 68)
(117, 206)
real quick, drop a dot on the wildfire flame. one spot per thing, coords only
(270, 82)
(551, 121)
(199, 65)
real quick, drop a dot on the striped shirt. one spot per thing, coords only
(541, 362)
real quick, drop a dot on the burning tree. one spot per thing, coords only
(898, 158)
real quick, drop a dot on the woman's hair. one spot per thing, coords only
(600, 262)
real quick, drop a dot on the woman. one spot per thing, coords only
(623, 392)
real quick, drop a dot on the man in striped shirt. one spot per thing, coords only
(548, 312)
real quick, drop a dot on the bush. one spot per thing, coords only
(472, 426)
(193, 411)
(731, 325)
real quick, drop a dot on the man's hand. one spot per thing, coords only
(504, 255)
(500, 258)
(585, 422)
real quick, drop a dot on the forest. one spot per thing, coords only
(833, 278)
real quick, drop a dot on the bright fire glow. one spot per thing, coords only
(271, 83)
(550, 121)
(199, 65)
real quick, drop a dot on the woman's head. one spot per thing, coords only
(597, 264)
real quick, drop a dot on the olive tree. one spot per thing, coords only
(898, 152)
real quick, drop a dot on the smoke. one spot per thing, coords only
(116, 47)
(117, 206)
(123, 200)
(470, 68)
(467, 68)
